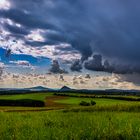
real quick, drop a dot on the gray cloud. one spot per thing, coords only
(55, 68)
(95, 63)
(76, 66)
(1, 71)
(108, 27)
(134, 78)
(16, 30)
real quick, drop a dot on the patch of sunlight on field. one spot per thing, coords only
(34, 96)
(99, 101)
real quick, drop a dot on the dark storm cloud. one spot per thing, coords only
(130, 78)
(76, 66)
(16, 30)
(107, 66)
(55, 68)
(55, 36)
(95, 63)
(35, 43)
(107, 27)
(25, 19)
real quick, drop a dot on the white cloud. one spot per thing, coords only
(36, 35)
(2, 65)
(62, 51)
(22, 63)
(5, 4)
(53, 52)
(49, 51)
(51, 81)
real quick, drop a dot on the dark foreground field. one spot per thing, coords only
(62, 118)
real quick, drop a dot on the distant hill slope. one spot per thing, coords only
(65, 88)
(37, 88)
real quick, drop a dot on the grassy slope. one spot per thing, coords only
(68, 100)
(73, 101)
(57, 125)
(70, 125)
(99, 101)
(35, 96)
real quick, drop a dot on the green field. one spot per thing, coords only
(56, 125)
(99, 101)
(108, 119)
(34, 96)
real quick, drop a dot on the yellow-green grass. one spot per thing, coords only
(33, 96)
(108, 119)
(102, 103)
(99, 101)
(57, 125)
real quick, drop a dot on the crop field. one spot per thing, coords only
(63, 118)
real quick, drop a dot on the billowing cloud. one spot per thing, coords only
(21, 63)
(35, 35)
(76, 66)
(5, 4)
(95, 63)
(59, 80)
(109, 28)
(55, 68)
(1, 69)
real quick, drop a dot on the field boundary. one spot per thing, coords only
(125, 98)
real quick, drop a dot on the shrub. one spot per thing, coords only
(22, 102)
(83, 103)
(93, 102)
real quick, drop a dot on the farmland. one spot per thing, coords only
(63, 118)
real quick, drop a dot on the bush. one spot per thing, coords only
(22, 102)
(93, 103)
(83, 103)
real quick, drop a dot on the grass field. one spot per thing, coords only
(35, 96)
(57, 125)
(99, 101)
(109, 119)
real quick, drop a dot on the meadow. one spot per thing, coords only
(57, 125)
(64, 119)
(36, 96)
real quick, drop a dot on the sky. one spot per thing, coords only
(70, 37)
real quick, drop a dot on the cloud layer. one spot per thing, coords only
(58, 81)
(76, 29)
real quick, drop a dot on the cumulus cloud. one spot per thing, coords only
(36, 35)
(55, 68)
(95, 63)
(107, 66)
(5, 4)
(76, 66)
(1, 68)
(21, 63)
(90, 26)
